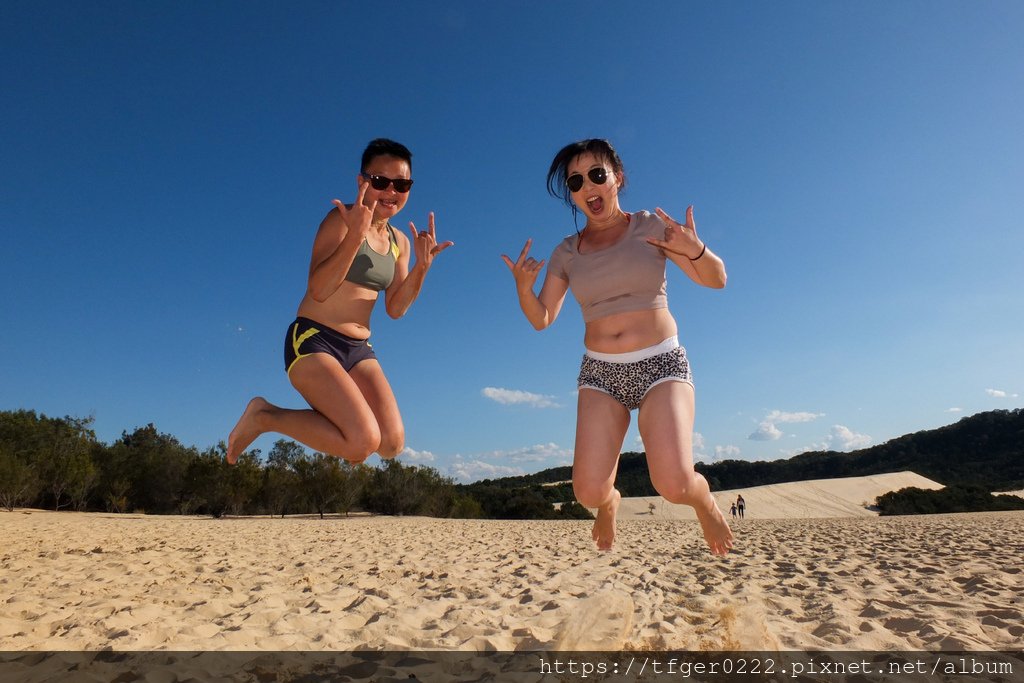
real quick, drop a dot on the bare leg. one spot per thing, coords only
(666, 427)
(601, 424)
(341, 422)
(374, 386)
(603, 532)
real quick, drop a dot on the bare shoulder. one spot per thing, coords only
(332, 224)
(329, 235)
(401, 239)
(562, 253)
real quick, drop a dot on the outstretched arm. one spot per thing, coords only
(541, 310)
(407, 283)
(683, 248)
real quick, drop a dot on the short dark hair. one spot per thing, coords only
(602, 149)
(384, 147)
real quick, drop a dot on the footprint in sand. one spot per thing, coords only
(596, 623)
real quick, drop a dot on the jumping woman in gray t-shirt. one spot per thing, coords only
(616, 269)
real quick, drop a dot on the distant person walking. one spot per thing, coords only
(616, 269)
(732, 510)
(741, 505)
(357, 254)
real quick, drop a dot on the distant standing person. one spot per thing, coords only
(741, 505)
(616, 269)
(732, 510)
(357, 254)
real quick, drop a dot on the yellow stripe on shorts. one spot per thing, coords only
(297, 342)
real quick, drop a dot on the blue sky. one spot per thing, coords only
(858, 166)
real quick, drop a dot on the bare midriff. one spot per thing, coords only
(625, 332)
(346, 311)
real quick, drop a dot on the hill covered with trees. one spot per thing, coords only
(984, 451)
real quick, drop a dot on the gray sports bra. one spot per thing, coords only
(372, 270)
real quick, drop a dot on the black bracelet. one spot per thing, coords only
(697, 258)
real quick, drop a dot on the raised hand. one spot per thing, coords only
(359, 216)
(679, 239)
(425, 243)
(525, 269)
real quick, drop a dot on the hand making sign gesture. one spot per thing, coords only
(524, 270)
(425, 244)
(680, 239)
(358, 217)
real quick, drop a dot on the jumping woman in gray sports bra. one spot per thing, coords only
(633, 360)
(357, 254)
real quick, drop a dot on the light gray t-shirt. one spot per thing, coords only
(626, 276)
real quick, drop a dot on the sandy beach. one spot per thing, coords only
(79, 581)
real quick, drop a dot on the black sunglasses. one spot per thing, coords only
(379, 182)
(597, 175)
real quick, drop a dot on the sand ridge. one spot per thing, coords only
(839, 497)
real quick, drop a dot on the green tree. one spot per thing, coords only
(243, 480)
(280, 479)
(573, 510)
(354, 479)
(465, 507)
(397, 489)
(18, 482)
(65, 465)
(321, 480)
(208, 483)
(156, 464)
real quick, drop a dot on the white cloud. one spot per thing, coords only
(779, 416)
(766, 431)
(699, 454)
(416, 456)
(513, 463)
(698, 441)
(954, 410)
(515, 396)
(842, 438)
(475, 470)
(726, 452)
(999, 393)
(537, 453)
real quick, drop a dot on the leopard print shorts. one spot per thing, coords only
(627, 377)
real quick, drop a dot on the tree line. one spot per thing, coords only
(58, 464)
(958, 498)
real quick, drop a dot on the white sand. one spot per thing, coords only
(90, 581)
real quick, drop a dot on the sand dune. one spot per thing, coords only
(75, 581)
(845, 497)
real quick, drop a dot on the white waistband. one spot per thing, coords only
(640, 354)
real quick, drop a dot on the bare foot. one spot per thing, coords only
(716, 529)
(246, 431)
(604, 526)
